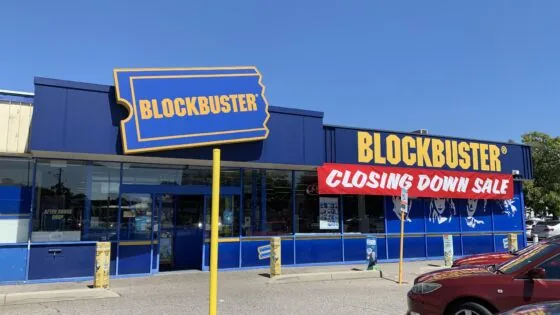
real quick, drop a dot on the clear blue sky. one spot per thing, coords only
(476, 68)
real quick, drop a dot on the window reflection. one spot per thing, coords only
(101, 223)
(136, 216)
(60, 200)
(364, 214)
(275, 216)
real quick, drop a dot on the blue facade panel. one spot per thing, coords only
(414, 247)
(88, 117)
(435, 245)
(310, 251)
(228, 255)
(51, 261)
(135, 259)
(13, 263)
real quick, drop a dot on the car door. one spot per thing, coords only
(548, 289)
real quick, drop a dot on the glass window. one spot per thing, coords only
(136, 216)
(308, 213)
(230, 177)
(145, 174)
(60, 200)
(15, 172)
(228, 216)
(537, 252)
(197, 175)
(363, 214)
(101, 222)
(274, 217)
(552, 268)
(15, 188)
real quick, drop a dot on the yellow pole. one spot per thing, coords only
(214, 233)
(402, 246)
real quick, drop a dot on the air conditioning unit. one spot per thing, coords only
(421, 131)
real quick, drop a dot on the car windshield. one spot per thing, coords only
(530, 222)
(533, 254)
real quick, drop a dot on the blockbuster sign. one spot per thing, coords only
(190, 107)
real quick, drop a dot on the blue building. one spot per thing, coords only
(77, 180)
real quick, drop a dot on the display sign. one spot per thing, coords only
(189, 107)
(328, 213)
(404, 200)
(264, 252)
(341, 179)
(448, 249)
(371, 251)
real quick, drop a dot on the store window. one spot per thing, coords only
(363, 214)
(16, 172)
(146, 174)
(60, 200)
(267, 197)
(314, 214)
(136, 217)
(15, 203)
(101, 215)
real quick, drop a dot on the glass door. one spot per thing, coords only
(166, 241)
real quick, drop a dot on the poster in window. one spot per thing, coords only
(328, 213)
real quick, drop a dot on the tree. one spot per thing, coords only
(542, 194)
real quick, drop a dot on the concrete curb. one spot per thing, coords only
(55, 296)
(326, 276)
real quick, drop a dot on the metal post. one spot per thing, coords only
(275, 257)
(214, 233)
(402, 249)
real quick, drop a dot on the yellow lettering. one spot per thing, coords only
(484, 157)
(495, 163)
(191, 106)
(155, 108)
(365, 153)
(465, 160)
(451, 157)
(252, 102)
(167, 105)
(393, 149)
(233, 98)
(179, 111)
(226, 108)
(145, 109)
(438, 158)
(214, 104)
(242, 103)
(407, 143)
(203, 105)
(474, 150)
(423, 157)
(379, 159)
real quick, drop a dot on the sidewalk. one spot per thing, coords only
(240, 292)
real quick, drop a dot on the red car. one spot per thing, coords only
(493, 258)
(533, 277)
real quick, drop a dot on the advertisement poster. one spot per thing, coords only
(328, 213)
(448, 249)
(166, 250)
(371, 251)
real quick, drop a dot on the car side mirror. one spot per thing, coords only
(537, 273)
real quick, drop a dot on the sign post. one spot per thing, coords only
(512, 242)
(404, 210)
(214, 233)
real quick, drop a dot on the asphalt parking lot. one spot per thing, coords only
(240, 292)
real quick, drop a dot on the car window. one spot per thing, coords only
(552, 267)
(534, 254)
(530, 222)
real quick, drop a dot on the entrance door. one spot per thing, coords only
(180, 243)
(228, 212)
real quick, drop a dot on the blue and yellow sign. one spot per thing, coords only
(190, 107)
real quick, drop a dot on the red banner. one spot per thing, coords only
(347, 179)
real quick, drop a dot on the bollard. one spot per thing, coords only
(275, 257)
(448, 250)
(102, 265)
(512, 242)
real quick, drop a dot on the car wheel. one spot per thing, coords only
(469, 308)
